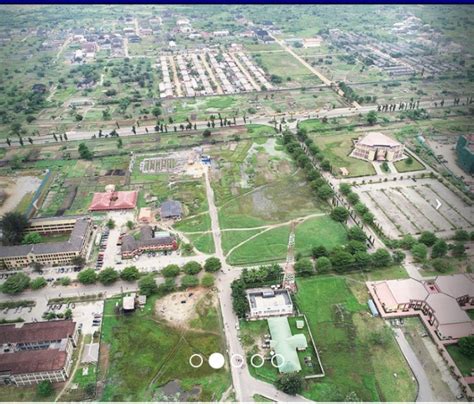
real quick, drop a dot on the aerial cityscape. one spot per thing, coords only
(237, 203)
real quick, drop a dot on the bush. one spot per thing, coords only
(87, 277)
(341, 260)
(441, 265)
(466, 346)
(38, 283)
(192, 268)
(16, 283)
(44, 389)
(353, 198)
(427, 238)
(304, 267)
(325, 192)
(130, 274)
(461, 235)
(207, 280)
(419, 251)
(458, 250)
(407, 242)
(171, 271)
(323, 265)
(356, 233)
(381, 258)
(168, 286)
(147, 285)
(212, 264)
(319, 251)
(339, 214)
(440, 249)
(64, 281)
(398, 256)
(362, 260)
(189, 281)
(290, 383)
(345, 188)
(108, 276)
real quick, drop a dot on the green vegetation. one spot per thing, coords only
(463, 362)
(404, 166)
(232, 238)
(203, 242)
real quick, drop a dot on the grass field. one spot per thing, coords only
(403, 167)
(203, 242)
(337, 149)
(146, 353)
(341, 327)
(196, 223)
(319, 231)
(271, 245)
(232, 238)
(462, 361)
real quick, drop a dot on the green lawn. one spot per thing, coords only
(319, 231)
(337, 149)
(464, 364)
(269, 246)
(231, 238)
(196, 223)
(403, 167)
(146, 353)
(340, 326)
(203, 242)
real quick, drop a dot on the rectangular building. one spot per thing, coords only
(267, 302)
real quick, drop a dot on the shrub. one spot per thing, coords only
(38, 283)
(147, 285)
(427, 238)
(207, 280)
(44, 389)
(189, 281)
(441, 265)
(419, 251)
(212, 264)
(290, 383)
(323, 265)
(16, 283)
(319, 251)
(130, 274)
(171, 271)
(304, 267)
(192, 268)
(108, 276)
(87, 277)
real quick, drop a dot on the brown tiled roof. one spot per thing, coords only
(32, 361)
(37, 332)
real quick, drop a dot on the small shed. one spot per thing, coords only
(373, 308)
(299, 324)
(128, 303)
(344, 171)
(171, 210)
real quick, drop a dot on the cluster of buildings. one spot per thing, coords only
(376, 146)
(80, 229)
(205, 72)
(148, 240)
(465, 153)
(33, 352)
(441, 303)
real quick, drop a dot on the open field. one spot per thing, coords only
(403, 167)
(405, 207)
(203, 242)
(156, 355)
(341, 327)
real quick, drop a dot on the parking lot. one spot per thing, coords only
(408, 207)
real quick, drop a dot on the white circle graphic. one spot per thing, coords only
(258, 356)
(216, 360)
(237, 361)
(191, 360)
(277, 365)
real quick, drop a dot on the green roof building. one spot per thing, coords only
(286, 345)
(465, 153)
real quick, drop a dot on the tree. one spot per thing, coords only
(466, 346)
(353, 198)
(290, 383)
(419, 251)
(16, 283)
(119, 143)
(108, 276)
(409, 160)
(13, 225)
(130, 274)
(323, 265)
(68, 314)
(326, 165)
(206, 133)
(362, 259)
(427, 238)
(458, 249)
(461, 235)
(356, 233)
(372, 117)
(340, 214)
(65, 281)
(407, 242)
(360, 208)
(147, 285)
(44, 389)
(38, 283)
(207, 280)
(78, 261)
(168, 286)
(171, 271)
(87, 277)
(90, 389)
(189, 281)
(212, 264)
(304, 267)
(385, 167)
(319, 251)
(354, 246)
(440, 249)
(325, 192)
(240, 303)
(368, 218)
(110, 224)
(441, 265)
(345, 188)
(84, 152)
(381, 258)
(32, 238)
(398, 256)
(341, 260)
(192, 268)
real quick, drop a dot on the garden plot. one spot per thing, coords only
(405, 207)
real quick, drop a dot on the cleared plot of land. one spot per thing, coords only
(149, 357)
(405, 207)
(337, 149)
(18, 192)
(341, 328)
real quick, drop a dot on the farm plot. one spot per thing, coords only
(403, 207)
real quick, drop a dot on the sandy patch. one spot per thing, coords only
(180, 307)
(16, 189)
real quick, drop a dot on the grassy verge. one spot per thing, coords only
(403, 167)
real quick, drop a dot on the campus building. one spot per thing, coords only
(149, 241)
(267, 302)
(114, 200)
(465, 153)
(377, 147)
(171, 210)
(441, 303)
(54, 253)
(33, 352)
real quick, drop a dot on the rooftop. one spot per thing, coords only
(378, 139)
(114, 200)
(32, 361)
(36, 332)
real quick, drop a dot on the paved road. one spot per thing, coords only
(425, 393)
